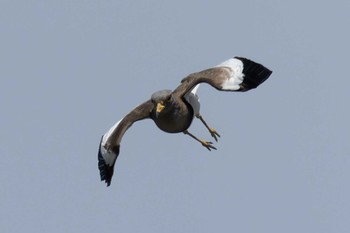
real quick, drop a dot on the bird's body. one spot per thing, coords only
(176, 116)
(176, 120)
(174, 111)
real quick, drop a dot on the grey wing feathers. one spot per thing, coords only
(110, 143)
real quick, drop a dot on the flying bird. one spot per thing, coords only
(173, 111)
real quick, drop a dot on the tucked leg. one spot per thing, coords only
(206, 144)
(212, 131)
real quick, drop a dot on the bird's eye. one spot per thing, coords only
(169, 98)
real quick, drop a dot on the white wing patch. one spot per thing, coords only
(109, 132)
(195, 89)
(108, 156)
(236, 74)
(193, 99)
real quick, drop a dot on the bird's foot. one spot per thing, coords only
(207, 145)
(204, 143)
(212, 131)
(214, 134)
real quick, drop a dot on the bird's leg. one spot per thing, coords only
(206, 144)
(212, 131)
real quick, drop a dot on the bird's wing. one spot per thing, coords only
(235, 74)
(110, 143)
(193, 99)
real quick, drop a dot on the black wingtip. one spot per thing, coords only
(254, 74)
(106, 171)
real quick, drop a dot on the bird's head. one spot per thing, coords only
(163, 101)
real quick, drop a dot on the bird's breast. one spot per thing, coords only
(175, 121)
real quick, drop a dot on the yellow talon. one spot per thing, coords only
(214, 134)
(207, 145)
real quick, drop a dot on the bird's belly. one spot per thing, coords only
(174, 124)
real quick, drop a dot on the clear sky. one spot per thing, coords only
(70, 69)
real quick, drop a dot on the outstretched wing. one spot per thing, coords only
(110, 143)
(235, 74)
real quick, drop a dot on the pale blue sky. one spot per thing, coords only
(70, 69)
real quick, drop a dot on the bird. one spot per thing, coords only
(174, 110)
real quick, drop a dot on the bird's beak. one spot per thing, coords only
(160, 107)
